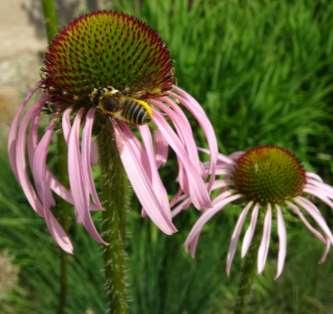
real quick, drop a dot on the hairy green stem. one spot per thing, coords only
(63, 212)
(248, 274)
(50, 18)
(115, 197)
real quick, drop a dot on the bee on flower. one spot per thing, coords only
(108, 68)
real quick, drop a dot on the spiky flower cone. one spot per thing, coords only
(104, 49)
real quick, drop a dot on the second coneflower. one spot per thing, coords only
(108, 68)
(270, 182)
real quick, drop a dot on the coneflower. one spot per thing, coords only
(267, 181)
(108, 73)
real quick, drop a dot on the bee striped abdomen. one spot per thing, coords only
(134, 112)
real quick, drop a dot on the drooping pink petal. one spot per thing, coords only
(193, 237)
(320, 194)
(86, 147)
(313, 176)
(156, 182)
(161, 148)
(39, 168)
(66, 123)
(180, 207)
(196, 110)
(235, 236)
(39, 171)
(313, 230)
(185, 135)
(178, 197)
(139, 178)
(264, 244)
(12, 135)
(250, 231)
(325, 253)
(282, 234)
(223, 196)
(77, 183)
(314, 212)
(53, 182)
(307, 224)
(325, 189)
(236, 155)
(20, 162)
(183, 128)
(197, 189)
(221, 159)
(57, 232)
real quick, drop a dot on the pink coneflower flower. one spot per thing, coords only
(269, 182)
(108, 66)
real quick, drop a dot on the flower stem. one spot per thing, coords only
(51, 18)
(115, 194)
(63, 212)
(248, 274)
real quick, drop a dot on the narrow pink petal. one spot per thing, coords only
(66, 123)
(220, 157)
(282, 234)
(39, 168)
(77, 183)
(55, 185)
(193, 237)
(180, 207)
(20, 157)
(314, 212)
(313, 230)
(161, 148)
(250, 231)
(235, 236)
(222, 196)
(58, 188)
(58, 232)
(321, 186)
(313, 176)
(185, 135)
(156, 182)
(178, 197)
(236, 155)
(40, 177)
(325, 253)
(183, 128)
(86, 148)
(75, 171)
(218, 184)
(197, 189)
(196, 110)
(307, 224)
(139, 178)
(266, 236)
(12, 135)
(320, 194)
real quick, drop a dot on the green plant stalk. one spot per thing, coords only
(115, 194)
(50, 18)
(63, 209)
(248, 273)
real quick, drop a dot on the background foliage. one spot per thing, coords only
(263, 70)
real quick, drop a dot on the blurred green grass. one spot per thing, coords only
(263, 70)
